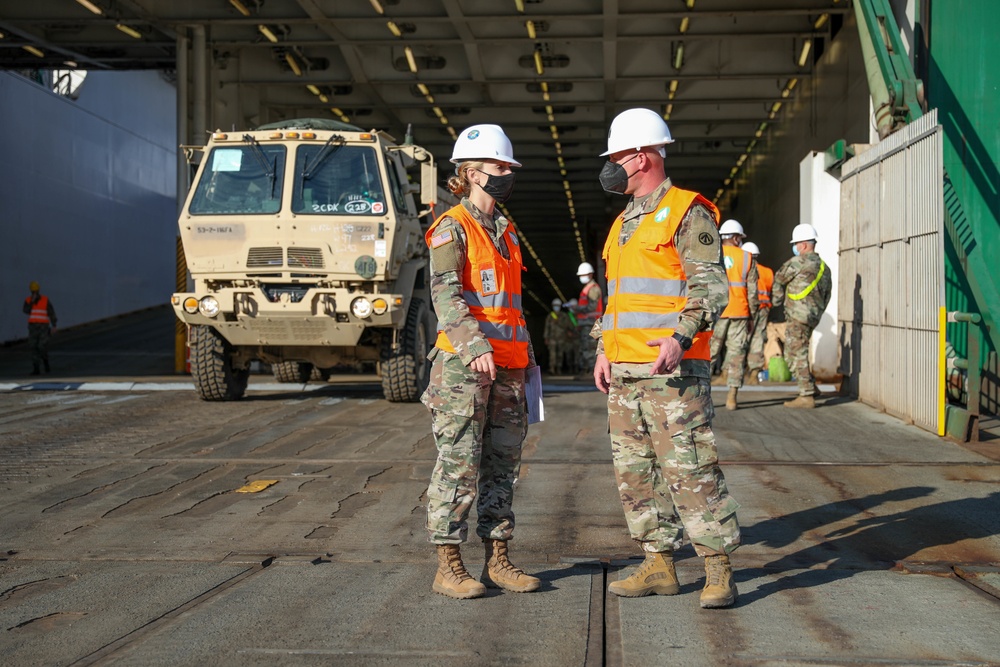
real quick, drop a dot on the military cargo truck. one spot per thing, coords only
(305, 247)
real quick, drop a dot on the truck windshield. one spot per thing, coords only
(346, 182)
(243, 180)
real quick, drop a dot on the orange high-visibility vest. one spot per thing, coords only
(737, 269)
(584, 301)
(765, 279)
(39, 311)
(647, 286)
(491, 286)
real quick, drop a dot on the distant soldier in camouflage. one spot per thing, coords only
(735, 325)
(803, 285)
(476, 391)
(666, 288)
(758, 339)
(559, 334)
(589, 308)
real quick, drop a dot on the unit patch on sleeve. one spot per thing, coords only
(440, 239)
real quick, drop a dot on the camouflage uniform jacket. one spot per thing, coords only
(707, 283)
(794, 277)
(447, 262)
(559, 327)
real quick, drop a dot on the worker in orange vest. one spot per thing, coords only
(476, 393)
(735, 326)
(765, 278)
(41, 326)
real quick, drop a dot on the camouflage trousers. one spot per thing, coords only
(560, 357)
(797, 337)
(667, 465)
(38, 343)
(734, 333)
(479, 425)
(588, 349)
(758, 339)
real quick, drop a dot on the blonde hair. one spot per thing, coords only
(459, 184)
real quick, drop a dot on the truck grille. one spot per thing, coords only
(264, 257)
(306, 258)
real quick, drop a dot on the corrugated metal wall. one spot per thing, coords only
(892, 272)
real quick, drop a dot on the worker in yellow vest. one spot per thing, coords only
(758, 339)
(476, 393)
(666, 287)
(734, 328)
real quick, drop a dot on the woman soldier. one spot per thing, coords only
(476, 391)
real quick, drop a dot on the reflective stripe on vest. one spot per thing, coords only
(647, 286)
(491, 287)
(739, 305)
(39, 311)
(765, 279)
(804, 293)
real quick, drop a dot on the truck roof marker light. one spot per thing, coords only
(308, 135)
(291, 135)
(219, 136)
(366, 136)
(274, 135)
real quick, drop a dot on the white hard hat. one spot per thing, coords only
(483, 142)
(585, 269)
(556, 302)
(637, 128)
(730, 227)
(803, 232)
(751, 248)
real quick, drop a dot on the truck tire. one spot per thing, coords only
(297, 372)
(405, 369)
(215, 378)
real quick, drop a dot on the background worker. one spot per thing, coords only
(653, 361)
(734, 328)
(589, 309)
(476, 390)
(559, 334)
(803, 286)
(41, 326)
(758, 338)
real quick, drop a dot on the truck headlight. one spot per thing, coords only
(191, 305)
(379, 306)
(362, 308)
(209, 306)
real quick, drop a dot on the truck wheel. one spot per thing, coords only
(321, 374)
(212, 369)
(297, 372)
(405, 369)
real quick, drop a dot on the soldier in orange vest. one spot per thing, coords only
(41, 326)
(735, 326)
(765, 278)
(476, 393)
(666, 287)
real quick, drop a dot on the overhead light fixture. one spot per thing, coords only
(394, 29)
(685, 22)
(2, 35)
(452, 132)
(538, 63)
(240, 7)
(293, 63)
(410, 60)
(530, 25)
(71, 63)
(377, 6)
(91, 6)
(313, 89)
(679, 57)
(34, 50)
(340, 114)
(804, 56)
(690, 4)
(424, 90)
(129, 30)
(669, 110)
(324, 99)
(519, 5)
(264, 30)
(760, 130)
(821, 21)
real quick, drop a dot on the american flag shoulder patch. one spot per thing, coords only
(440, 239)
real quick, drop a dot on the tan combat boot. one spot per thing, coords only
(731, 398)
(719, 591)
(499, 572)
(452, 579)
(752, 377)
(656, 575)
(801, 402)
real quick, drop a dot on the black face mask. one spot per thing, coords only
(498, 187)
(613, 176)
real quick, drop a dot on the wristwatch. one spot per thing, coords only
(684, 341)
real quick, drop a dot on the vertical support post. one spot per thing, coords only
(942, 389)
(183, 174)
(199, 63)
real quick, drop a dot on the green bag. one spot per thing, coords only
(777, 370)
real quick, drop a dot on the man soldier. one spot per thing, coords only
(589, 308)
(41, 326)
(765, 278)
(666, 288)
(559, 334)
(803, 285)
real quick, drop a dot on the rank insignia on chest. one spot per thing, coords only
(728, 261)
(662, 214)
(440, 239)
(513, 238)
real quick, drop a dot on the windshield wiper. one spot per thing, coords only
(258, 153)
(328, 149)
